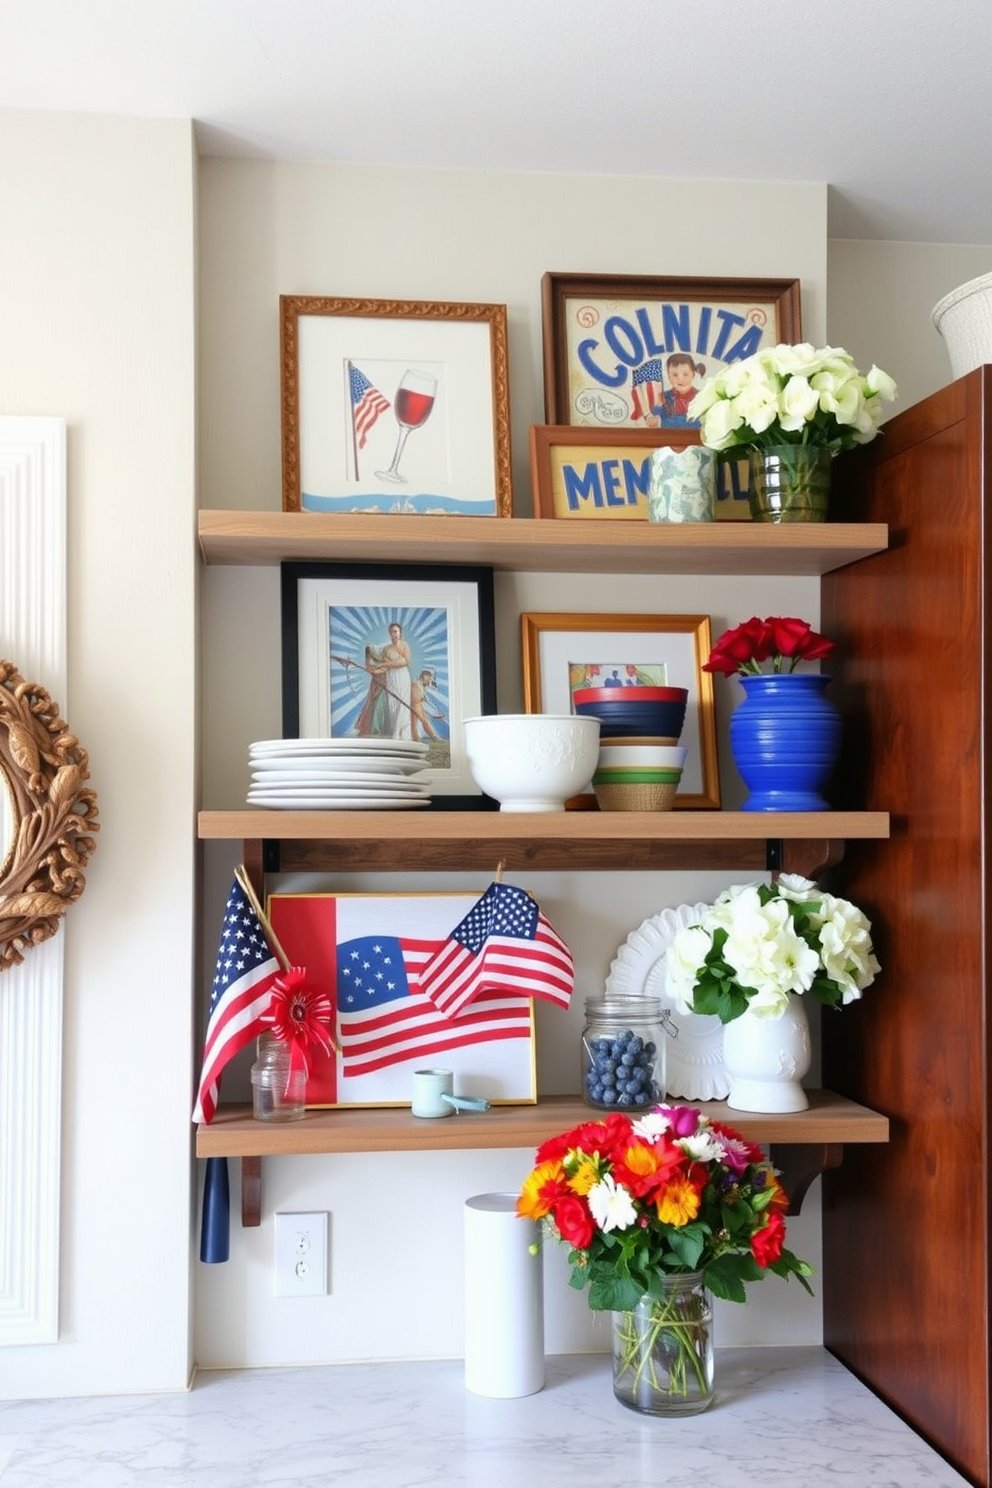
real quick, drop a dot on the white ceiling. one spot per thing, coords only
(889, 102)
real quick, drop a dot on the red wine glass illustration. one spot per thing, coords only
(414, 401)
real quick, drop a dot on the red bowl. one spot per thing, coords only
(630, 694)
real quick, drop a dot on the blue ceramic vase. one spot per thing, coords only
(784, 738)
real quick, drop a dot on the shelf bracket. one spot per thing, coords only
(800, 1163)
(808, 857)
(251, 1192)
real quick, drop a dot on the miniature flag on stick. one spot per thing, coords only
(504, 944)
(246, 970)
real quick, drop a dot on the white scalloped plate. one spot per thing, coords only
(694, 1068)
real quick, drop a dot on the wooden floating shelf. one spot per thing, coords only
(435, 841)
(804, 1142)
(534, 545)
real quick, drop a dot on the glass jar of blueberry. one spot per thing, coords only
(623, 1053)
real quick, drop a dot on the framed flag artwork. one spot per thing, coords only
(386, 961)
(394, 406)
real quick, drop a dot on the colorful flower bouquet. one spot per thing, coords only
(760, 943)
(791, 395)
(781, 639)
(645, 1201)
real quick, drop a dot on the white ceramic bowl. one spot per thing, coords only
(531, 761)
(638, 756)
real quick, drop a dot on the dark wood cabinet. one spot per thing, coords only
(907, 1225)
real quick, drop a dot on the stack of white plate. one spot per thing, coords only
(337, 774)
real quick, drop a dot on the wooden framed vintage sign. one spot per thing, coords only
(593, 473)
(626, 352)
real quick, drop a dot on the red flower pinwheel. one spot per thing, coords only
(299, 1016)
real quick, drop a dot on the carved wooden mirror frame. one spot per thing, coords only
(52, 815)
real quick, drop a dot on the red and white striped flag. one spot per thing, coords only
(367, 403)
(504, 944)
(246, 969)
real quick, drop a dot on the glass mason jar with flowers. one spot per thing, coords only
(786, 734)
(661, 1212)
(789, 409)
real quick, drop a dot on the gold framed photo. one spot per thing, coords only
(560, 652)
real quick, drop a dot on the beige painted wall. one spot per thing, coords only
(307, 229)
(881, 296)
(96, 325)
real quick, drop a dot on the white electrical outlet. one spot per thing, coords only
(301, 1255)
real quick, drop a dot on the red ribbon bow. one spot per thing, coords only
(300, 1016)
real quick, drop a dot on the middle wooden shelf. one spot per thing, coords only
(436, 841)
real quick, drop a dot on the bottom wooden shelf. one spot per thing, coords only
(804, 1143)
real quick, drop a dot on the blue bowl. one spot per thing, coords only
(630, 720)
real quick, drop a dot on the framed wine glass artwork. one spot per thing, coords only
(396, 406)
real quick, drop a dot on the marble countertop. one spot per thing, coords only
(782, 1418)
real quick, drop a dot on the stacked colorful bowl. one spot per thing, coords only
(640, 760)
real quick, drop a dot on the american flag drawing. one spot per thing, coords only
(369, 951)
(367, 403)
(505, 944)
(385, 1017)
(246, 969)
(646, 387)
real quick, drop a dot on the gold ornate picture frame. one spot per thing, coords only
(48, 816)
(395, 406)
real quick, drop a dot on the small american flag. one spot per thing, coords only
(367, 403)
(246, 969)
(503, 944)
(384, 1017)
(646, 387)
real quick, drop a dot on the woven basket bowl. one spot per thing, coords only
(635, 797)
(964, 319)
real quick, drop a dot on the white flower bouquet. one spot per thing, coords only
(759, 943)
(791, 395)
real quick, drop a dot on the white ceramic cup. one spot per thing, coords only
(430, 1086)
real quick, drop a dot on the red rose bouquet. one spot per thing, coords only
(782, 640)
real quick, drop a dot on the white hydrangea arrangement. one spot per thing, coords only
(792, 395)
(761, 942)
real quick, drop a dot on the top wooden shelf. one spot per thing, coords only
(539, 546)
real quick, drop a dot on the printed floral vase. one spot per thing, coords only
(682, 484)
(663, 1350)
(784, 738)
(766, 1058)
(789, 483)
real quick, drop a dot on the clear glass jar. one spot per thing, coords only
(623, 1053)
(278, 1092)
(663, 1350)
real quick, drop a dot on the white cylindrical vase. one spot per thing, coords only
(504, 1299)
